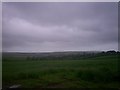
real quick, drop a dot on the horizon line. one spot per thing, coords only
(57, 51)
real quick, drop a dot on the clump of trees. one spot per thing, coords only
(111, 52)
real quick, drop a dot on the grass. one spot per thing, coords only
(0, 72)
(94, 72)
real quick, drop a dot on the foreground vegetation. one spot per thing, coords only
(95, 72)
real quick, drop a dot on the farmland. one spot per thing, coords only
(84, 71)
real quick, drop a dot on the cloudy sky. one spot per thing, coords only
(50, 26)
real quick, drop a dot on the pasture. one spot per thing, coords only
(94, 72)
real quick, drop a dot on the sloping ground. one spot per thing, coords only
(95, 72)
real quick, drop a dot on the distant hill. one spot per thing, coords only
(44, 54)
(76, 55)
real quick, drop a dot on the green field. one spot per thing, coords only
(95, 72)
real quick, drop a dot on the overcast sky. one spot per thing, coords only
(37, 27)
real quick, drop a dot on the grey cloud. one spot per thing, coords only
(59, 26)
